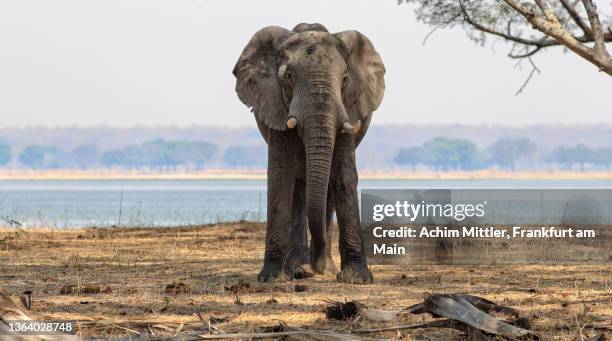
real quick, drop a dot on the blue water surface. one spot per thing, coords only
(80, 203)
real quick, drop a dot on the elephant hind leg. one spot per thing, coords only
(354, 266)
(329, 234)
(331, 266)
(299, 266)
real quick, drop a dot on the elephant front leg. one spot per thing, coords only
(354, 267)
(281, 183)
(277, 233)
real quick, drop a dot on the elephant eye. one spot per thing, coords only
(288, 75)
(345, 79)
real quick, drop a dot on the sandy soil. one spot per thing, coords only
(261, 174)
(218, 266)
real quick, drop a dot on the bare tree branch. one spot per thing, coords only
(598, 34)
(571, 10)
(486, 29)
(541, 43)
(554, 22)
(548, 13)
(554, 29)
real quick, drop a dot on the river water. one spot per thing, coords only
(80, 203)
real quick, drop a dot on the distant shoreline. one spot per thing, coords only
(259, 174)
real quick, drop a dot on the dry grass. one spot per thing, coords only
(138, 264)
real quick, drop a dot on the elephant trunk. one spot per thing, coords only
(319, 135)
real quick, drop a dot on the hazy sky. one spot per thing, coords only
(150, 62)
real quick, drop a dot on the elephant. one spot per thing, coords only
(312, 94)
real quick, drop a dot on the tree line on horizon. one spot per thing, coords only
(441, 153)
(157, 154)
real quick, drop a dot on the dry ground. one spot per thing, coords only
(563, 301)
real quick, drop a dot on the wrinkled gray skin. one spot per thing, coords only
(313, 94)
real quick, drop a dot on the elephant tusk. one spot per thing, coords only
(348, 128)
(291, 123)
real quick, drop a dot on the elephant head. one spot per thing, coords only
(315, 82)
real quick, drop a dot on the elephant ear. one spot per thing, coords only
(364, 91)
(256, 82)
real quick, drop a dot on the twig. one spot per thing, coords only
(325, 335)
(430, 33)
(120, 208)
(433, 324)
(526, 54)
(125, 328)
(534, 69)
(579, 328)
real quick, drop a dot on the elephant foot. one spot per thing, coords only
(355, 275)
(269, 273)
(302, 271)
(331, 266)
(319, 264)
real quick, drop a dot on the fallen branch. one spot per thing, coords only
(463, 308)
(466, 313)
(479, 302)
